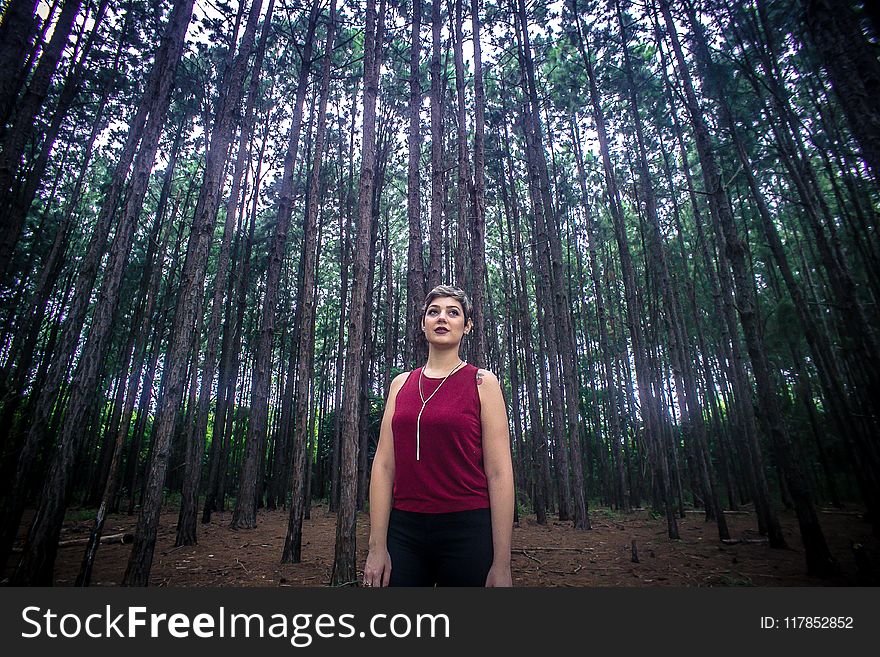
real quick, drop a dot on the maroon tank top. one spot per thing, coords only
(449, 475)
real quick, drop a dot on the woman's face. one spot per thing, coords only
(444, 321)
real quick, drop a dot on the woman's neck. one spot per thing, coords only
(440, 362)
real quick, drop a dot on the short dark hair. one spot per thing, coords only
(450, 291)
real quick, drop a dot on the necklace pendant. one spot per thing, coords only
(418, 432)
(425, 401)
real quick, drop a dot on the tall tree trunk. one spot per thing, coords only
(17, 30)
(548, 220)
(819, 559)
(24, 113)
(186, 525)
(416, 347)
(188, 313)
(518, 445)
(345, 229)
(464, 184)
(245, 514)
(306, 311)
(478, 229)
(14, 208)
(370, 312)
(852, 65)
(689, 406)
(435, 252)
(617, 437)
(38, 560)
(651, 418)
(539, 456)
(344, 568)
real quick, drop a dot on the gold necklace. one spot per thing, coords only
(425, 401)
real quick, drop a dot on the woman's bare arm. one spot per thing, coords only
(377, 570)
(499, 473)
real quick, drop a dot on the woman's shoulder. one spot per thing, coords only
(485, 377)
(398, 381)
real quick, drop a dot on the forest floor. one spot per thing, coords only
(554, 554)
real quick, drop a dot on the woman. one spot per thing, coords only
(441, 489)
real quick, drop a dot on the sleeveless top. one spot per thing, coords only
(449, 475)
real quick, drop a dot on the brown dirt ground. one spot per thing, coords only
(551, 555)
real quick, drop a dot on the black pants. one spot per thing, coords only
(442, 549)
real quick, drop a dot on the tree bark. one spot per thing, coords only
(478, 206)
(464, 184)
(416, 348)
(435, 252)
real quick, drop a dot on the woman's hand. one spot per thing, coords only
(499, 576)
(377, 570)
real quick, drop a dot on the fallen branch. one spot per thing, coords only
(538, 561)
(727, 512)
(558, 549)
(734, 541)
(563, 572)
(105, 540)
(771, 575)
